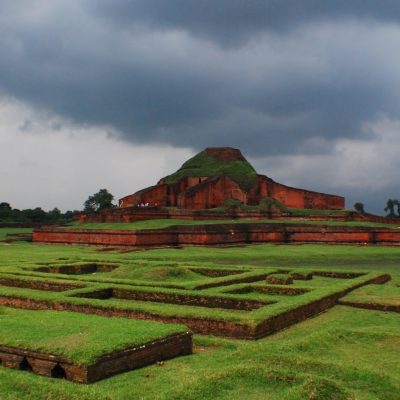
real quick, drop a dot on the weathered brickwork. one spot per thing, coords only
(222, 234)
(56, 366)
(203, 192)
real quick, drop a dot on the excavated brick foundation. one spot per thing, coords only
(279, 280)
(110, 364)
(174, 298)
(79, 269)
(221, 235)
(216, 273)
(218, 327)
(39, 285)
(296, 315)
(371, 306)
(275, 290)
(133, 214)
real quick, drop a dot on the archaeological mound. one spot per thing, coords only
(219, 174)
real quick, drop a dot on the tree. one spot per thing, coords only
(390, 208)
(69, 215)
(101, 200)
(36, 215)
(5, 211)
(54, 215)
(5, 206)
(232, 204)
(359, 207)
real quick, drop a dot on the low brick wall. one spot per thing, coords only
(39, 284)
(296, 315)
(223, 234)
(110, 364)
(177, 298)
(206, 326)
(371, 306)
(149, 353)
(133, 214)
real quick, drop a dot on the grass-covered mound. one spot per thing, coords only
(205, 164)
(79, 337)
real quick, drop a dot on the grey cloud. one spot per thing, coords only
(230, 22)
(26, 125)
(270, 77)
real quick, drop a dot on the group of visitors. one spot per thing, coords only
(145, 205)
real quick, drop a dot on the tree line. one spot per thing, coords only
(32, 216)
(101, 200)
(392, 208)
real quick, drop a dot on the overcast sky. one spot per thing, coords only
(118, 93)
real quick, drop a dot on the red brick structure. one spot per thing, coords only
(221, 235)
(216, 175)
(57, 366)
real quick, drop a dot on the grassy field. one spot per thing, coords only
(344, 353)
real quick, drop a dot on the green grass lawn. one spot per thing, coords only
(344, 353)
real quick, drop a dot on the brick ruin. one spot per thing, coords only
(197, 186)
(227, 284)
(56, 366)
(215, 325)
(190, 192)
(220, 235)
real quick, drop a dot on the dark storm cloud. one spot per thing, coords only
(229, 22)
(266, 76)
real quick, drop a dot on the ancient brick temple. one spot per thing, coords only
(219, 174)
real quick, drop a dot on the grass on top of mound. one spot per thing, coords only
(166, 223)
(204, 164)
(79, 337)
(147, 224)
(5, 231)
(376, 294)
